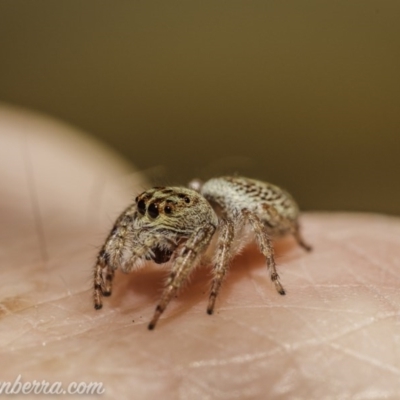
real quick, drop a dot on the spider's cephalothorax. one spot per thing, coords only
(178, 224)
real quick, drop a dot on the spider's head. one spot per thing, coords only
(175, 209)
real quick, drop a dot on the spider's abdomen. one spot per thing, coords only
(233, 193)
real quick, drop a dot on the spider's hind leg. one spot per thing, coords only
(265, 245)
(299, 238)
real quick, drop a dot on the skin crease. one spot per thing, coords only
(335, 335)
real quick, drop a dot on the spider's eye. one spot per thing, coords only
(184, 197)
(153, 210)
(141, 206)
(167, 210)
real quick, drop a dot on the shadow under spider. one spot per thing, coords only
(146, 284)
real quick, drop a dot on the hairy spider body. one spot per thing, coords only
(178, 224)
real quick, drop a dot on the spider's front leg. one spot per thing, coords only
(187, 259)
(111, 256)
(102, 287)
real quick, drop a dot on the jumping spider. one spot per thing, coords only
(178, 224)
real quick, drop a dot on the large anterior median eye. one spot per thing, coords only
(153, 210)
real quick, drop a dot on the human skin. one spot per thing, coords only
(335, 335)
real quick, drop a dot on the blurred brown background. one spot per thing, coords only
(302, 94)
